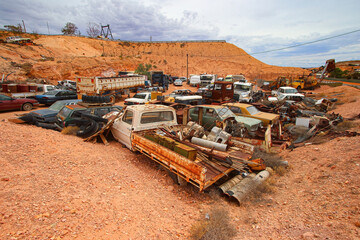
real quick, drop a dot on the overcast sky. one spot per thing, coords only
(254, 26)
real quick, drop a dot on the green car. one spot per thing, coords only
(74, 111)
(212, 113)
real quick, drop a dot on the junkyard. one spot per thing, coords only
(80, 189)
(115, 154)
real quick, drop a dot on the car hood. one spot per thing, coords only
(269, 116)
(45, 112)
(247, 121)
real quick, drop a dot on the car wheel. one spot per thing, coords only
(26, 107)
(112, 99)
(88, 130)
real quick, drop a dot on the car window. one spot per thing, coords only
(153, 117)
(128, 117)
(252, 110)
(3, 97)
(209, 112)
(235, 109)
(101, 111)
(217, 87)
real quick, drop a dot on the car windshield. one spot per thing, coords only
(57, 106)
(64, 112)
(139, 95)
(225, 112)
(51, 93)
(252, 110)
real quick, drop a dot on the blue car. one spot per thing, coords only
(47, 115)
(53, 96)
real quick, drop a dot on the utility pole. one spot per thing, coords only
(24, 25)
(187, 67)
(47, 23)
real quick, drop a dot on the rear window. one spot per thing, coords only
(153, 117)
(64, 112)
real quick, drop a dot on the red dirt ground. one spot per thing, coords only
(55, 186)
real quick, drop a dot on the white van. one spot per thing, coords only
(194, 80)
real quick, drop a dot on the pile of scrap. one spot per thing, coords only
(302, 121)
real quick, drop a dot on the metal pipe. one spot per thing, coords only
(209, 144)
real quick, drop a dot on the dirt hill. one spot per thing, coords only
(65, 57)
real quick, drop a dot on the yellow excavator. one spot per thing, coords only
(303, 82)
(311, 82)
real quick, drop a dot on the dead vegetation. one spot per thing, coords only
(214, 225)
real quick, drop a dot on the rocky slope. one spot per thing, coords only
(65, 57)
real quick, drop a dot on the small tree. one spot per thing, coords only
(12, 28)
(69, 29)
(144, 70)
(93, 30)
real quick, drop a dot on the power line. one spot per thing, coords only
(307, 43)
(280, 49)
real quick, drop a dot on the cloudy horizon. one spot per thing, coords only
(253, 27)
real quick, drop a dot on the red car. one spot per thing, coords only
(9, 103)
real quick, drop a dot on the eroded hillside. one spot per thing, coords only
(64, 57)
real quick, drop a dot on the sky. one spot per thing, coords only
(255, 26)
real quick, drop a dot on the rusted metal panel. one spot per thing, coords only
(171, 159)
(198, 173)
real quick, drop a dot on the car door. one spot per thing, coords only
(122, 128)
(194, 114)
(209, 118)
(8, 103)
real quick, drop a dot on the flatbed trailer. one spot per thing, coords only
(198, 172)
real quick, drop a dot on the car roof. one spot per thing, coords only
(211, 106)
(149, 107)
(287, 87)
(76, 106)
(237, 104)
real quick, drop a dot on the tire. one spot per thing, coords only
(26, 107)
(112, 99)
(88, 130)
(84, 98)
(77, 122)
(92, 99)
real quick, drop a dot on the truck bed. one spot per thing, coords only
(197, 172)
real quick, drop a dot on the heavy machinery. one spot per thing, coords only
(311, 82)
(303, 82)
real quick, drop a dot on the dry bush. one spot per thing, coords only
(70, 130)
(345, 125)
(257, 194)
(271, 159)
(216, 227)
(280, 170)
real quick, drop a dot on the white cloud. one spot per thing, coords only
(254, 26)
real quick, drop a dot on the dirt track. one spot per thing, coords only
(56, 186)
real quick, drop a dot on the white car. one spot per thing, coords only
(183, 79)
(288, 97)
(178, 82)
